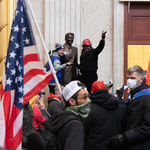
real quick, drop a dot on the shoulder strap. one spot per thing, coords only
(46, 134)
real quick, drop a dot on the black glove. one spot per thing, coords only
(116, 140)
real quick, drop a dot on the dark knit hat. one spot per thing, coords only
(58, 47)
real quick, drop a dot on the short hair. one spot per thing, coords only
(68, 34)
(137, 69)
(56, 88)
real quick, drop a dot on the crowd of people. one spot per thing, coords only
(96, 119)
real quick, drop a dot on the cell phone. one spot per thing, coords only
(38, 101)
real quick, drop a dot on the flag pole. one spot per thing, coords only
(45, 48)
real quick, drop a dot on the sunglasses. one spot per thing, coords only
(86, 45)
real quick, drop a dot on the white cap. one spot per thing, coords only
(70, 89)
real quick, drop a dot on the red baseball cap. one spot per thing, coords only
(98, 85)
(86, 42)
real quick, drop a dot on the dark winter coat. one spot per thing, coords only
(88, 59)
(137, 121)
(71, 135)
(27, 127)
(54, 104)
(103, 122)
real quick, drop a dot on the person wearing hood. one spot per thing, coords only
(104, 120)
(54, 101)
(136, 135)
(58, 66)
(88, 61)
(71, 135)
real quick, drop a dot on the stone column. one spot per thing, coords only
(61, 17)
(118, 44)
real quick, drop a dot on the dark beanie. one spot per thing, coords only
(58, 47)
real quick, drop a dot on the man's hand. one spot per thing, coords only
(116, 140)
(41, 105)
(120, 92)
(103, 35)
(70, 62)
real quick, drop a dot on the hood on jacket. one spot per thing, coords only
(51, 123)
(51, 97)
(55, 54)
(103, 98)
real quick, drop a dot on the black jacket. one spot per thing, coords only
(88, 60)
(27, 127)
(103, 122)
(54, 106)
(71, 135)
(137, 121)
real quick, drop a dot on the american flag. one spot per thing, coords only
(23, 78)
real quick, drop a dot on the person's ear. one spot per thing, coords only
(57, 93)
(141, 79)
(72, 102)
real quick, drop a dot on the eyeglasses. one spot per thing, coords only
(85, 96)
(86, 45)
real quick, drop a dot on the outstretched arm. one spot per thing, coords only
(57, 65)
(101, 45)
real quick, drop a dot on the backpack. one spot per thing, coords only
(43, 139)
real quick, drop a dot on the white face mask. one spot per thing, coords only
(132, 83)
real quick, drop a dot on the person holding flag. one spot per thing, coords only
(23, 77)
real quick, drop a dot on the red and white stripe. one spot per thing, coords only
(35, 79)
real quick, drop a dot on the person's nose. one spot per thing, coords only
(87, 100)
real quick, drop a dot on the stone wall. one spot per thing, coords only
(86, 19)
